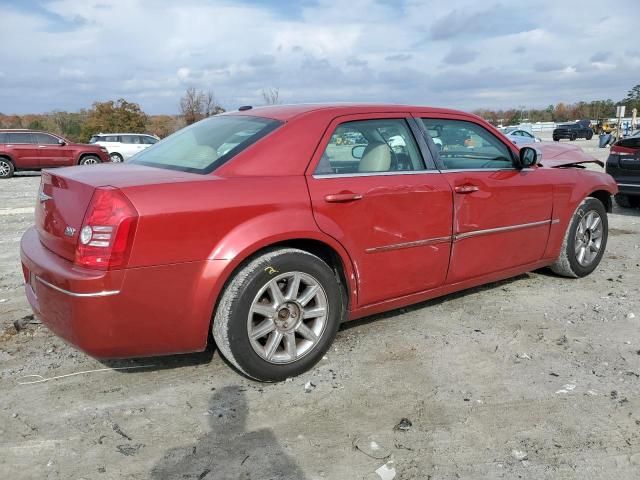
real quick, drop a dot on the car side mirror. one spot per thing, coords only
(61, 142)
(528, 157)
(358, 151)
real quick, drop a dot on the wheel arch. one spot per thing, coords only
(315, 243)
(8, 157)
(605, 197)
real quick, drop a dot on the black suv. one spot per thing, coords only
(572, 131)
(623, 165)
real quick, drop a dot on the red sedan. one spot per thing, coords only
(270, 226)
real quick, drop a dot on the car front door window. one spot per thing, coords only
(466, 145)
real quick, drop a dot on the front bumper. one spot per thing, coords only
(145, 311)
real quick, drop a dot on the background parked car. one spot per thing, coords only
(123, 145)
(623, 165)
(521, 137)
(33, 150)
(572, 131)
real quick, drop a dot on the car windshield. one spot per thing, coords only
(203, 146)
(94, 139)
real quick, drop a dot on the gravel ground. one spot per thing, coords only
(534, 377)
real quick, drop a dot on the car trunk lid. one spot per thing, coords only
(65, 194)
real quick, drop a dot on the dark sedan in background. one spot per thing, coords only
(623, 165)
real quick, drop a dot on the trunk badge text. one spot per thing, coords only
(69, 231)
(43, 197)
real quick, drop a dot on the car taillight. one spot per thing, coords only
(107, 231)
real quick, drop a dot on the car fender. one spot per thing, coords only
(568, 193)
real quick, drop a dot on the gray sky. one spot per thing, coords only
(66, 54)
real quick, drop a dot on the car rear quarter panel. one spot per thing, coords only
(222, 221)
(571, 186)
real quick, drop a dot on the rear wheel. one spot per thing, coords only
(278, 315)
(6, 168)
(627, 201)
(585, 240)
(89, 160)
(556, 139)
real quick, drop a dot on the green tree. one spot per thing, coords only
(118, 116)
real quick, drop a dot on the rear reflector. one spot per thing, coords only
(107, 232)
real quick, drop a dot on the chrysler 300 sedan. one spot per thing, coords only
(267, 227)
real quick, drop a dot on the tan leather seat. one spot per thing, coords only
(375, 158)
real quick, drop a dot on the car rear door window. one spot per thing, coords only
(371, 146)
(466, 145)
(20, 137)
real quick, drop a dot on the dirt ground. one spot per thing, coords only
(536, 377)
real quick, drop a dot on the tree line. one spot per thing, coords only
(563, 112)
(123, 116)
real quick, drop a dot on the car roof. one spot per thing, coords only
(288, 112)
(26, 130)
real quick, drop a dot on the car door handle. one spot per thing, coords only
(42, 146)
(343, 197)
(466, 188)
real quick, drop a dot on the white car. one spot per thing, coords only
(520, 137)
(121, 146)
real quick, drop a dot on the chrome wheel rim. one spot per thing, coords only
(4, 168)
(287, 317)
(115, 158)
(90, 161)
(588, 238)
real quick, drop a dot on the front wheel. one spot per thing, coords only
(585, 240)
(115, 157)
(278, 315)
(556, 139)
(573, 137)
(89, 160)
(589, 135)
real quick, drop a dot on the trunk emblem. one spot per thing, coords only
(43, 197)
(69, 231)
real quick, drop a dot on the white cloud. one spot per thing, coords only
(465, 55)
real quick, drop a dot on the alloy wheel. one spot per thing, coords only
(287, 317)
(588, 239)
(5, 168)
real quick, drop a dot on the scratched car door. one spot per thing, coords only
(372, 191)
(502, 215)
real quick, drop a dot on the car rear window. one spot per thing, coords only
(204, 146)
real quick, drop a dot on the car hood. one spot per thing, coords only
(559, 155)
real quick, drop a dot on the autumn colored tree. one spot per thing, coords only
(114, 116)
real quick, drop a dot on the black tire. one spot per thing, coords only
(567, 263)
(556, 139)
(573, 137)
(232, 316)
(589, 136)
(7, 168)
(626, 201)
(89, 160)
(115, 157)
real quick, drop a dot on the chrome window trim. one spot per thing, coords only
(104, 293)
(488, 231)
(417, 243)
(320, 176)
(637, 185)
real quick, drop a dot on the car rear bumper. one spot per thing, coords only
(157, 310)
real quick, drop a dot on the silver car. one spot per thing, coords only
(521, 137)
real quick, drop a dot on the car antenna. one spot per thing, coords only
(245, 107)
